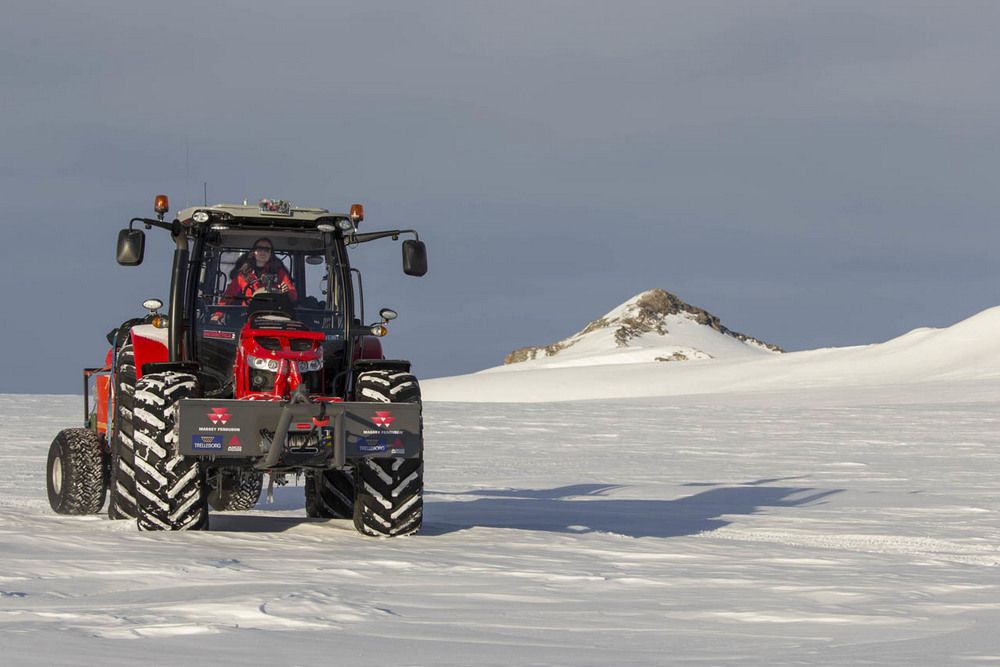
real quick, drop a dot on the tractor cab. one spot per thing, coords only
(292, 308)
(306, 281)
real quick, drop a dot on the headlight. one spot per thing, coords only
(314, 365)
(262, 364)
(272, 364)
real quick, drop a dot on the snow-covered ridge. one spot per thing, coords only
(652, 326)
(966, 351)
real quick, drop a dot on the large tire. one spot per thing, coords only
(330, 494)
(171, 492)
(75, 472)
(236, 490)
(389, 492)
(122, 502)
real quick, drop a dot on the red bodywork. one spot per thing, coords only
(279, 348)
(102, 386)
(275, 346)
(149, 344)
(147, 348)
(368, 347)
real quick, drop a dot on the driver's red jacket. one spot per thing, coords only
(245, 284)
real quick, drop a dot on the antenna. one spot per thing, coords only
(187, 168)
(206, 193)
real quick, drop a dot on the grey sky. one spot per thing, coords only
(814, 173)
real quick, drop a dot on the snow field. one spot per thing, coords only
(717, 530)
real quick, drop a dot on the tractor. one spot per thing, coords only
(261, 364)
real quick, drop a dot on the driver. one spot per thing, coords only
(257, 269)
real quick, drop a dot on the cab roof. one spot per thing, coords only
(257, 215)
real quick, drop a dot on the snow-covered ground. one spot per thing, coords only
(828, 507)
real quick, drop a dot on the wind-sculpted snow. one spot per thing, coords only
(808, 528)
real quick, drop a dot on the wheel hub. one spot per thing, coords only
(57, 476)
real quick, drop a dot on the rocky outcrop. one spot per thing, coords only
(640, 315)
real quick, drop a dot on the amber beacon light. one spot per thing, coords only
(161, 205)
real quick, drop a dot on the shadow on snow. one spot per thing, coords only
(573, 509)
(583, 508)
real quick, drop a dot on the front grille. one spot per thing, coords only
(268, 342)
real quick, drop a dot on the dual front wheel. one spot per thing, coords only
(384, 497)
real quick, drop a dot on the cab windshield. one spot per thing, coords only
(293, 266)
(289, 270)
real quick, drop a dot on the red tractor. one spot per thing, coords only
(263, 363)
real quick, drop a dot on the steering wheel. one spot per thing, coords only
(251, 288)
(267, 283)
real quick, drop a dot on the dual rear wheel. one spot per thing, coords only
(75, 472)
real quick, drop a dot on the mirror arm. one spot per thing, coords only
(151, 223)
(371, 236)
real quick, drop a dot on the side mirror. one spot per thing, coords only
(414, 258)
(131, 246)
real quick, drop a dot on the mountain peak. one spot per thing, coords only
(644, 322)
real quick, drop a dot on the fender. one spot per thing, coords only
(368, 347)
(400, 365)
(149, 345)
(102, 396)
(102, 389)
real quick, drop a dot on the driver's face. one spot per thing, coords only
(262, 253)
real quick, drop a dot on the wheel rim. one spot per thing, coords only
(57, 476)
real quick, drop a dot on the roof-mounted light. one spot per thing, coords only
(161, 204)
(345, 224)
(200, 216)
(357, 213)
(275, 207)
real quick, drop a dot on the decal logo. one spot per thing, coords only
(206, 442)
(383, 419)
(226, 335)
(219, 415)
(373, 447)
(234, 445)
